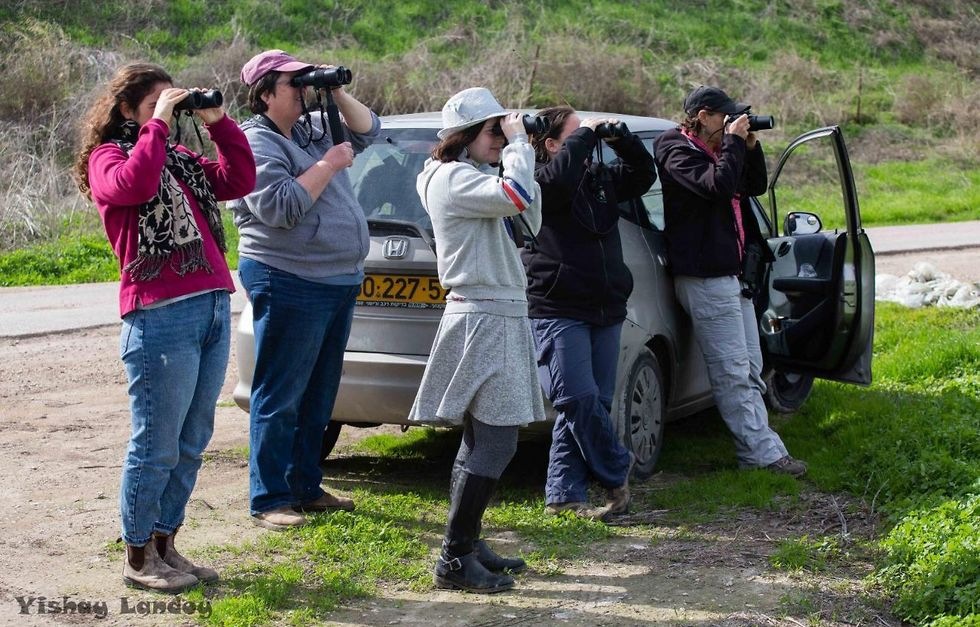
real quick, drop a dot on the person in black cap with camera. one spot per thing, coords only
(578, 285)
(709, 166)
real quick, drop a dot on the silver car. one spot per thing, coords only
(815, 318)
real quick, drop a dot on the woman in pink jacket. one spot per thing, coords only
(158, 203)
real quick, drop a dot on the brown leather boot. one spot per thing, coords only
(165, 548)
(143, 568)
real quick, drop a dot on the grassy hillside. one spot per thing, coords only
(899, 75)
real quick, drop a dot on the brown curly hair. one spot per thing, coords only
(131, 84)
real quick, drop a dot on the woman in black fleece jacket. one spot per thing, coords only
(708, 167)
(578, 285)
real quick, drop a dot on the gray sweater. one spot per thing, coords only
(477, 258)
(280, 225)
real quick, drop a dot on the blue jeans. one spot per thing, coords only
(577, 370)
(727, 332)
(175, 358)
(301, 330)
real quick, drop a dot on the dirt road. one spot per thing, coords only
(64, 423)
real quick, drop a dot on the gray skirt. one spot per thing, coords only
(483, 364)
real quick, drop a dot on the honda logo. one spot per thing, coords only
(395, 248)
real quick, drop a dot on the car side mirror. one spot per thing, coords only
(801, 223)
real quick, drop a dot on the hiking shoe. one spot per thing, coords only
(279, 519)
(618, 499)
(787, 465)
(582, 510)
(326, 503)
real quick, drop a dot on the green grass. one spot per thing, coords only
(79, 259)
(918, 192)
(907, 447)
(895, 192)
(400, 485)
(718, 27)
(85, 259)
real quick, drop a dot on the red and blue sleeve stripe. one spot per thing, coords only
(517, 194)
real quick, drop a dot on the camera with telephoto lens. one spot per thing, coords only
(611, 131)
(323, 78)
(210, 99)
(756, 122)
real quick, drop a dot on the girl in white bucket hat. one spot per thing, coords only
(481, 372)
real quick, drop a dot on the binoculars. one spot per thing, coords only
(209, 99)
(323, 78)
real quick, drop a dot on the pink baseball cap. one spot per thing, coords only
(265, 62)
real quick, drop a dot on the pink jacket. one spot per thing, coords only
(121, 183)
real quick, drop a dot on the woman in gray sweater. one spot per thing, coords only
(482, 370)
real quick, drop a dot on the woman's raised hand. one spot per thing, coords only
(165, 103)
(512, 125)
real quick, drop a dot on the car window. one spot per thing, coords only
(809, 181)
(653, 200)
(384, 175)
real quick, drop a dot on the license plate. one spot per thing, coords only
(401, 290)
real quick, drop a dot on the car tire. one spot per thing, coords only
(640, 413)
(787, 391)
(330, 435)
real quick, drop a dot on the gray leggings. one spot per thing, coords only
(486, 450)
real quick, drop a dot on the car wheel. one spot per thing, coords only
(787, 391)
(641, 411)
(330, 435)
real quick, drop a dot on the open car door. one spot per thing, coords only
(817, 313)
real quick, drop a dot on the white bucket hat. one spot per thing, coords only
(468, 107)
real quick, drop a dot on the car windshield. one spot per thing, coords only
(384, 175)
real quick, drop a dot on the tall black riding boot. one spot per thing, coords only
(484, 554)
(458, 567)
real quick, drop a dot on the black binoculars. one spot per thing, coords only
(535, 124)
(611, 131)
(756, 122)
(209, 99)
(323, 78)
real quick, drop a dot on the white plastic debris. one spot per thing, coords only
(926, 286)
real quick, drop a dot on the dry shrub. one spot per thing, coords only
(795, 90)
(950, 30)
(220, 67)
(521, 72)
(47, 86)
(37, 194)
(40, 66)
(419, 80)
(951, 107)
(599, 77)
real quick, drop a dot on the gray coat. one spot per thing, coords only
(281, 225)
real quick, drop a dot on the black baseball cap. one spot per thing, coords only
(713, 99)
